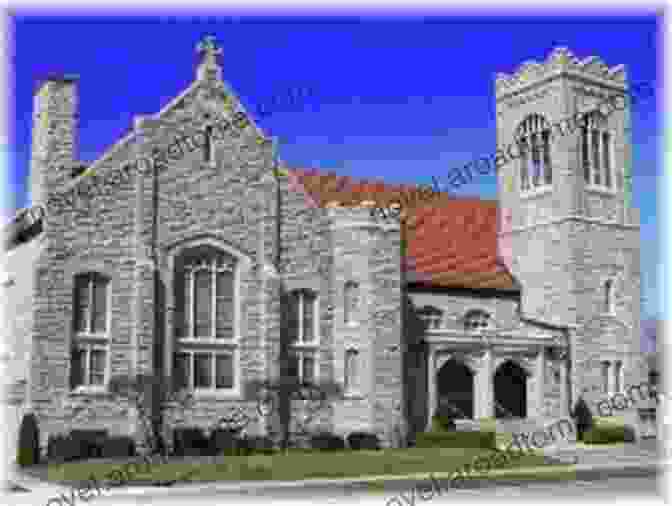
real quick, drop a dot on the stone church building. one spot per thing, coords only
(450, 306)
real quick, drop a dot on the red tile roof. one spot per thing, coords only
(451, 241)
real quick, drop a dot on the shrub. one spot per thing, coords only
(363, 441)
(256, 445)
(327, 442)
(584, 418)
(62, 448)
(475, 439)
(223, 442)
(190, 441)
(90, 442)
(118, 446)
(28, 453)
(609, 433)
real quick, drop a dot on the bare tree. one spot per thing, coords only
(153, 397)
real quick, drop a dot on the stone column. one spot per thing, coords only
(431, 385)
(484, 388)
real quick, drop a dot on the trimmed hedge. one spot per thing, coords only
(62, 448)
(256, 445)
(190, 442)
(118, 446)
(28, 449)
(606, 434)
(223, 442)
(90, 442)
(327, 442)
(363, 441)
(457, 439)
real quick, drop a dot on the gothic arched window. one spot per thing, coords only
(206, 331)
(476, 320)
(90, 346)
(596, 148)
(533, 137)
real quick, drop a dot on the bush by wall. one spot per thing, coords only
(327, 442)
(363, 441)
(610, 431)
(256, 445)
(457, 439)
(223, 442)
(62, 448)
(28, 449)
(118, 446)
(190, 441)
(90, 442)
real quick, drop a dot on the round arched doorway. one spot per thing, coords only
(510, 391)
(456, 390)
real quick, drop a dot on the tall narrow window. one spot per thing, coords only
(617, 376)
(605, 377)
(524, 158)
(606, 159)
(351, 371)
(207, 346)
(548, 173)
(301, 318)
(585, 154)
(595, 142)
(88, 360)
(609, 296)
(533, 136)
(208, 151)
(596, 146)
(351, 301)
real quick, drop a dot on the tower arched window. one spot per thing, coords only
(596, 149)
(609, 296)
(533, 137)
(476, 320)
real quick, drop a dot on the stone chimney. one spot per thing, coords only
(55, 135)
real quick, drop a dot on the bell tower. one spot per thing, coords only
(567, 229)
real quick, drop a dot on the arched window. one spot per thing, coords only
(351, 371)
(596, 147)
(533, 137)
(432, 316)
(350, 301)
(476, 320)
(605, 376)
(609, 296)
(90, 345)
(205, 293)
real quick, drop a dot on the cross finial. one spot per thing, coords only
(210, 50)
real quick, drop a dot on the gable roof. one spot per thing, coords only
(450, 241)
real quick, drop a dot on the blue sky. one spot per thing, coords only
(395, 98)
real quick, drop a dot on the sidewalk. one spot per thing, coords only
(46, 490)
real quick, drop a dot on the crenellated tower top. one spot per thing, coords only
(561, 61)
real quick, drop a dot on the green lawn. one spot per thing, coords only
(347, 464)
